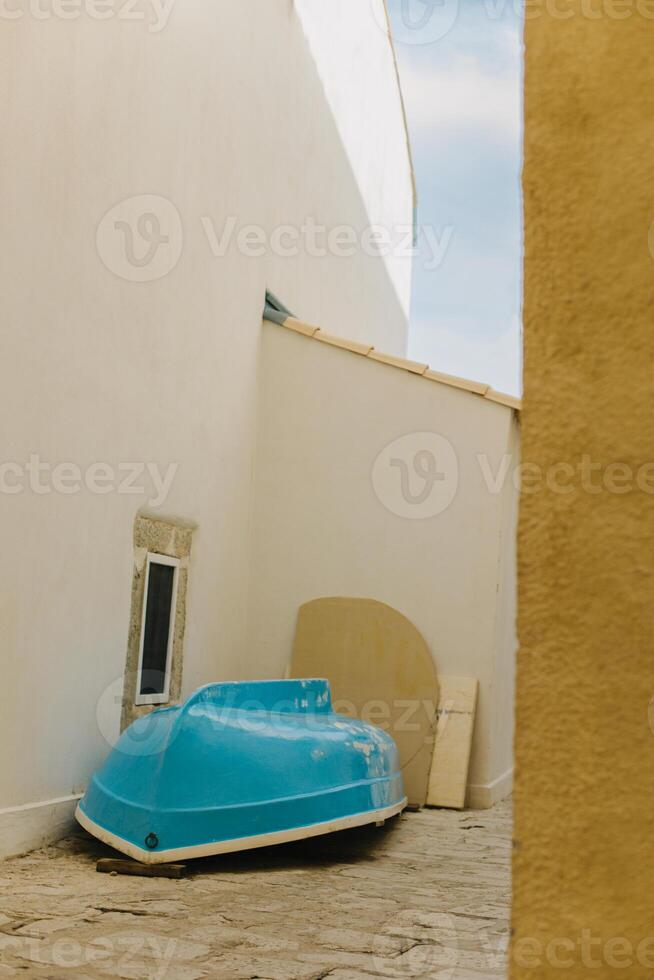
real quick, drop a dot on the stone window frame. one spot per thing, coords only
(171, 539)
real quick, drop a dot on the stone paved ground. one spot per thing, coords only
(427, 896)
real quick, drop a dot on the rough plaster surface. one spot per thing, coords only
(584, 792)
(161, 538)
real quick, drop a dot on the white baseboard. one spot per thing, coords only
(25, 828)
(485, 795)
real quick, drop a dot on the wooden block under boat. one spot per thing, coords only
(123, 867)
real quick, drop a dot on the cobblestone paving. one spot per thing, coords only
(426, 896)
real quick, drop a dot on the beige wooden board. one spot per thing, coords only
(380, 669)
(451, 760)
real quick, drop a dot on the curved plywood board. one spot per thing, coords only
(380, 670)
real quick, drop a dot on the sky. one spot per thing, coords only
(460, 68)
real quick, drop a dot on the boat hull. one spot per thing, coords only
(241, 766)
(244, 843)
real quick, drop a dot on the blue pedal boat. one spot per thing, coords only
(239, 766)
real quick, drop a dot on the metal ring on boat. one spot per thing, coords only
(152, 841)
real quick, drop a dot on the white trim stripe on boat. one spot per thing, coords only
(241, 843)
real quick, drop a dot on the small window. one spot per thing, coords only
(157, 630)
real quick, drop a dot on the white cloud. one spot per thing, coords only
(464, 98)
(461, 95)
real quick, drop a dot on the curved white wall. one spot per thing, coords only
(357, 70)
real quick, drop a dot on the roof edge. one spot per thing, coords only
(477, 388)
(405, 118)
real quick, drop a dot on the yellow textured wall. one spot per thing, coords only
(584, 855)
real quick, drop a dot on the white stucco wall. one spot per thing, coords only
(223, 112)
(357, 81)
(322, 530)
